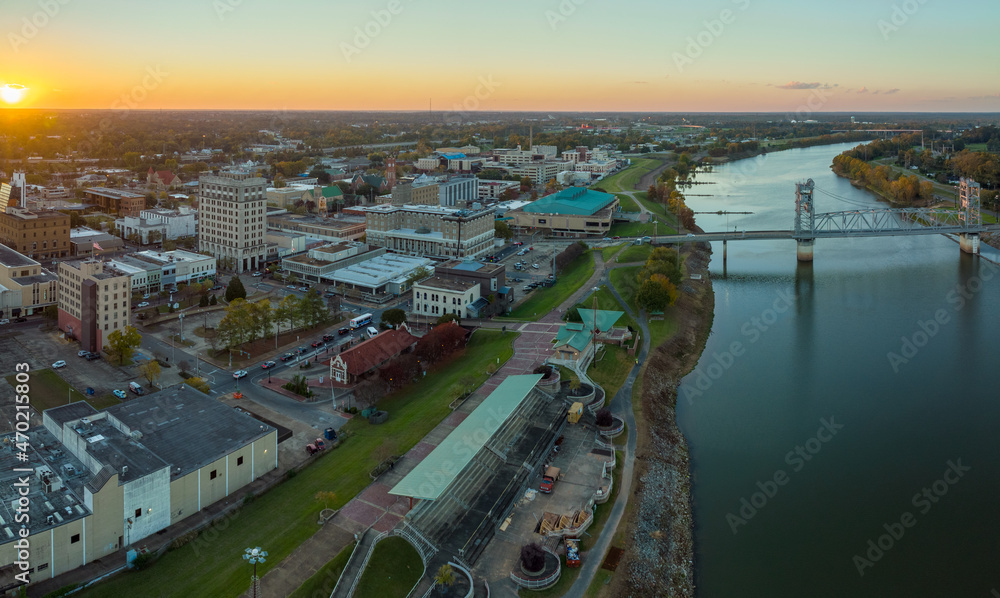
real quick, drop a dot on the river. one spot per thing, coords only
(814, 427)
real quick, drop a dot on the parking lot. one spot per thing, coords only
(525, 276)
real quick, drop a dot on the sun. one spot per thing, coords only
(12, 93)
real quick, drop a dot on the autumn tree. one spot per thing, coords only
(150, 371)
(123, 342)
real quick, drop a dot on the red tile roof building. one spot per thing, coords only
(365, 357)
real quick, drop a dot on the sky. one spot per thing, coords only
(546, 55)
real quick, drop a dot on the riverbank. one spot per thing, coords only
(659, 531)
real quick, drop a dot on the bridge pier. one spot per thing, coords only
(804, 249)
(969, 242)
(725, 252)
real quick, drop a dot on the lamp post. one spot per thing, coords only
(254, 556)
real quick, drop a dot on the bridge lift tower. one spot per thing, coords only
(805, 220)
(969, 214)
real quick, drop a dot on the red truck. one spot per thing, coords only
(549, 480)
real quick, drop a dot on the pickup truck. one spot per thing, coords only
(549, 480)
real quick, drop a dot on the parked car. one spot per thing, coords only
(136, 388)
(146, 296)
(268, 364)
(287, 356)
(92, 356)
(256, 274)
(528, 288)
(21, 319)
(82, 353)
(120, 394)
(515, 279)
(240, 374)
(303, 289)
(535, 266)
(4, 321)
(59, 364)
(143, 304)
(292, 286)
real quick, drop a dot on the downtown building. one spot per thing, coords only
(433, 231)
(93, 301)
(41, 235)
(233, 219)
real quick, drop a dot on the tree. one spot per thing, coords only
(287, 311)
(50, 312)
(603, 418)
(393, 317)
(417, 275)
(449, 318)
(261, 318)
(235, 290)
(150, 371)
(532, 558)
(122, 343)
(203, 302)
(326, 496)
(155, 236)
(445, 576)
(502, 231)
(368, 391)
(656, 293)
(198, 384)
(214, 300)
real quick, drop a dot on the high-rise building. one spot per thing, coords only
(233, 219)
(39, 235)
(430, 230)
(93, 301)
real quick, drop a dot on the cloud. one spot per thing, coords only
(891, 91)
(863, 90)
(802, 85)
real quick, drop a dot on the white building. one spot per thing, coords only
(569, 178)
(494, 189)
(180, 266)
(437, 296)
(426, 164)
(597, 167)
(233, 219)
(171, 224)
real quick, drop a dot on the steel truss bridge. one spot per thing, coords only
(965, 221)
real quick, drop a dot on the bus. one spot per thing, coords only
(361, 320)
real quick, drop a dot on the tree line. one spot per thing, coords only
(246, 322)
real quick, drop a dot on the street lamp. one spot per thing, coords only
(254, 556)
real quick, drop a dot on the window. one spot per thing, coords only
(138, 513)
(43, 566)
(213, 475)
(239, 461)
(74, 538)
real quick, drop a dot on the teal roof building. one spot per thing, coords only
(572, 202)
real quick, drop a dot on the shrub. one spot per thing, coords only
(532, 557)
(604, 418)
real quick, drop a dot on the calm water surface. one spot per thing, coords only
(811, 396)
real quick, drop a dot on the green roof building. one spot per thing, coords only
(575, 340)
(573, 212)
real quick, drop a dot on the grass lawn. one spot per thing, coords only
(543, 300)
(639, 229)
(627, 179)
(280, 520)
(628, 204)
(659, 330)
(392, 571)
(635, 253)
(47, 389)
(324, 580)
(601, 578)
(612, 370)
(609, 252)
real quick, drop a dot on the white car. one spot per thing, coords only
(293, 287)
(535, 266)
(59, 364)
(303, 289)
(256, 274)
(143, 304)
(82, 353)
(239, 374)
(4, 321)
(146, 296)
